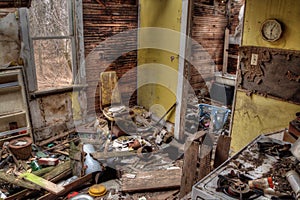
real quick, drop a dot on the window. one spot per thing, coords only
(51, 30)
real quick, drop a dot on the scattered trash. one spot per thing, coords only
(262, 183)
(82, 197)
(97, 190)
(35, 165)
(294, 180)
(90, 164)
(48, 161)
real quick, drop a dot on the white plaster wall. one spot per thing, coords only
(9, 39)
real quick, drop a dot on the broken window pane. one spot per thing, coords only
(49, 18)
(51, 32)
(53, 61)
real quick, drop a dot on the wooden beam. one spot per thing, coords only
(205, 156)
(9, 178)
(59, 136)
(106, 155)
(68, 188)
(58, 173)
(152, 180)
(182, 84)
(222, 150)
(43, 183)
(225, 52)
(27, 51)
(190, 161)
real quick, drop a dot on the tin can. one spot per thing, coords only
(294, 180)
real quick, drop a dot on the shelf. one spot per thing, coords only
(9, 84)
(13, 105)
(11, 114)
(9, 89)
(4, 133)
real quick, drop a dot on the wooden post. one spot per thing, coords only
(225, 52)
(197, 159)
(190, 161)
(205, 155)
(222, 150)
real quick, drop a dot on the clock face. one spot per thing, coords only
(271, 30)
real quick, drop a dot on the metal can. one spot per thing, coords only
(294, 180)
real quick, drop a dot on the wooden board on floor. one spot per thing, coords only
(68, 188)
(43, 183)
(152, 180)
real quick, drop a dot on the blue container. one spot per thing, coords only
(217, 114)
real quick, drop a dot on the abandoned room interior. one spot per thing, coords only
(149, 99)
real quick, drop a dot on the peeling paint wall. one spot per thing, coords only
(54, 114)
(49, 114)
(286, 11)
(110, 44)
(10, 44)
(268, 91)
(159, 65)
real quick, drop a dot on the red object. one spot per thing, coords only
(48, 161)
(270, 181)
(23, 132)
(72, 194)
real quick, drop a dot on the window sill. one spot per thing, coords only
(54, 91)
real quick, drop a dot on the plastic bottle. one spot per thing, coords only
(261, 183)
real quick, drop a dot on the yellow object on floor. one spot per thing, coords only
(97, 190)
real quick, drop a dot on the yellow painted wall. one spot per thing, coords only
(257, 115)
(158, 54)
(286, 11)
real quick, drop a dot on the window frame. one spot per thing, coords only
(77, 45)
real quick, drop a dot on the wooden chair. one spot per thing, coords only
(110, 98)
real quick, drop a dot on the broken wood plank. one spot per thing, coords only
(53, 176)
(165, 195)
(106, 155)
(68, 188)
(59, 169)
(222, 150)
(61, 135)
(152, 180)
(43, 171)
(16, 181)
(62, 145)
(189, 178)
(205, 161)
(61, 152)
(43, 183)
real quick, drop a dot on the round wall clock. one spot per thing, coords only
(271, 30)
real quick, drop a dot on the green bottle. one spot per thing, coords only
(35, 165)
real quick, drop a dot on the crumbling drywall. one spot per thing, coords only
(275, 72)
(54, 114)
(9, 39)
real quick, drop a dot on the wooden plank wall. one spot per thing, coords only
(209, 20)
(15, 3)
(103, 23)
